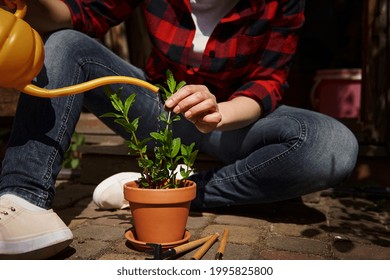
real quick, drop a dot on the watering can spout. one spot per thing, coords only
(83, 87)
(22, 56)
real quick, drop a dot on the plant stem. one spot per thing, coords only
(172, 183)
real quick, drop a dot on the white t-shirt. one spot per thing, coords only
(206, 15)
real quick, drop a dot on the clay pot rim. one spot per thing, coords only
(133, 193)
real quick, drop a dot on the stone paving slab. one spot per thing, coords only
(317, 227)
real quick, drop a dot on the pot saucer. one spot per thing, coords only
(141, 246)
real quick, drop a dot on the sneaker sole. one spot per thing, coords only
(42, 249)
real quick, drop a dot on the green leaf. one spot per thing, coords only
(184, 150)
(128, 103)
(127, 126)
(115, 98)
(144, 163)
(111, 115)
(117, 105)
(171, 81)
(135, 123)
(165, 93)
(163, 117)
(176, 144)
(142, 148)
(180, 85)
(79, 139)
(158, 136)
(74, 163)
(192, 158)
(144, 142)
(132, 146)
(176, 118)
(185, 173)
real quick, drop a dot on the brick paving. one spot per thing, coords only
(321, 226)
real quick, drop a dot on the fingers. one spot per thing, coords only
(192, 100)
(198, 105)
(181, 95)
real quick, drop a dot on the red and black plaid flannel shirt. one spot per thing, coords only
(249, 53)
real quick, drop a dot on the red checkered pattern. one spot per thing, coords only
(249, 52)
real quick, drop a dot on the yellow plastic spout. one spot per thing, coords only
(83, 87)
(22, 56)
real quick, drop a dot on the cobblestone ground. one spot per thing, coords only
(321, 226)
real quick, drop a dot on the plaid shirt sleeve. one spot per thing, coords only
(95, 17)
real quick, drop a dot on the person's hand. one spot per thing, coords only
(198, 105)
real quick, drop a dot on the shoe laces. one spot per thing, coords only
(4, 211)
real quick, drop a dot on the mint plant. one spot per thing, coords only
(159, 170)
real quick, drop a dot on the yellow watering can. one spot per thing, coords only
(22, 54)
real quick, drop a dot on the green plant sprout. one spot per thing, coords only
(72, 156)
(159, 171)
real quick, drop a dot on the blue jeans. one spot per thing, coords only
(286, 154)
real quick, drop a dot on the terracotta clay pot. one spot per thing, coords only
(159, 215)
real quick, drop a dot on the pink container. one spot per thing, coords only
(336, 92)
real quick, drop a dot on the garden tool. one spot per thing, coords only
(222, 246)
(22, 56)
(205, 247)
(159, 254)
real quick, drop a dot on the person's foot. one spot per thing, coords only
(30, 232)
(109, 193)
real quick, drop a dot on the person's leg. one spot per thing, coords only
(43, 127)
(41, 134)
(289, 153)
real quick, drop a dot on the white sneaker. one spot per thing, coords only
(30, 232)
(109, 193)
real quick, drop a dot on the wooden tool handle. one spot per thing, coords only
(223, 241)
(205, 247)
(222, 246)
(191, 245)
